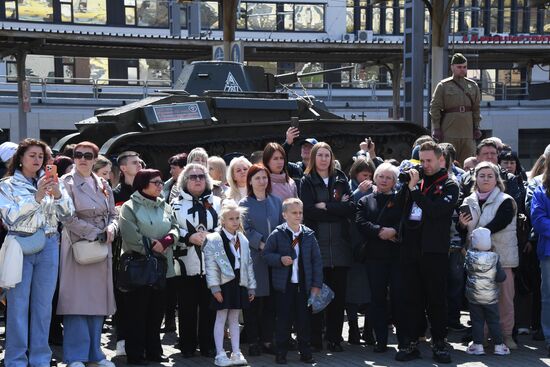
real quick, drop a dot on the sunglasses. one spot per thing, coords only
(157, 182)
(87, 156)
(197, 177)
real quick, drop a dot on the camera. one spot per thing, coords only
(404, 174)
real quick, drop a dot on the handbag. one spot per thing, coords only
(137, 270)
(30, 244)
(321, 301)
(89, 252)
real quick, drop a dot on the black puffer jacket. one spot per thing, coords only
(438, 201)
(331, 226)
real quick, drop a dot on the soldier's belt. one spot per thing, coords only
(458, 109)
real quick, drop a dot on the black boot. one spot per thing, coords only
(354, 337)
(368, 335)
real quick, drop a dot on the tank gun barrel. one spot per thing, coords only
(290, 78)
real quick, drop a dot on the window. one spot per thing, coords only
(37, 67)
(376, 19)
(35, 10)
(309, 18)
(11, 10)
(350, 14)
(258, 17)
(210, 15)
(99, 70)
(304, 17)
(29, 10)
(84, 11)
(146, 13)
(155, 70)
(68, 70)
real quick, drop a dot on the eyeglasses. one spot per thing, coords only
(157, 182)
(87, 156)
(197, 177)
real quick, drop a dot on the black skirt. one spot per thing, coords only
(235, 297)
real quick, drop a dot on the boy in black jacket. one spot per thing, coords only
(292, 253)
(425, 251)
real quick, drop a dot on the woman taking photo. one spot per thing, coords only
(274, 159)
(86, 291)
(378, 218)
(196, 211)
(146, 215)
(491, 208)
(31, 202)
(236, 178)
(263, 214)
(327, 210)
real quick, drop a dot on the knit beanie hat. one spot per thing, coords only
(481, 239)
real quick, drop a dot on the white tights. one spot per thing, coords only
(232, 317)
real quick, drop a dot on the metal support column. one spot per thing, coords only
(20, 57)
(413, 61)
(175, 30)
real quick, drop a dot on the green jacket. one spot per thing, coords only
(140, 217)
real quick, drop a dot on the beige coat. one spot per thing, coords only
(86, 289)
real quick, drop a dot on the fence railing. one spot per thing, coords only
(85, 88)
(135, 89)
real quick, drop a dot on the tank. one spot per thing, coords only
(228, 107)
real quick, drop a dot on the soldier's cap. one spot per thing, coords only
(458, 58)
(311, 141)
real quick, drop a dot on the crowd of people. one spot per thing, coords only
(410, 244)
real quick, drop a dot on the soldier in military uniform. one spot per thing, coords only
(455, 110)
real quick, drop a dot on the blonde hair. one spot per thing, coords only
(218, 164)
(291, 201)
(233, 188)
(229, 205)
(496, 171)
(197, 153)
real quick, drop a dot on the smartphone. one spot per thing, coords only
(465, 209)
(295, 122)
(51, 171)
(369, 142)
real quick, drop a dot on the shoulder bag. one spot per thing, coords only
(30, 243)
(136, 270)
(89, 252)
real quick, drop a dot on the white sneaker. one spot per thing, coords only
(105, 363)
(120, 348)
(76, 364)
(237, 359)
(501, 350)
(475, 349)
(222, 360)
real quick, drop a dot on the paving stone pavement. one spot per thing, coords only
(530, 353)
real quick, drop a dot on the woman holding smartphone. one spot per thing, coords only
(31, 203)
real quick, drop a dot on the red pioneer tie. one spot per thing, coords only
(237, 243)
